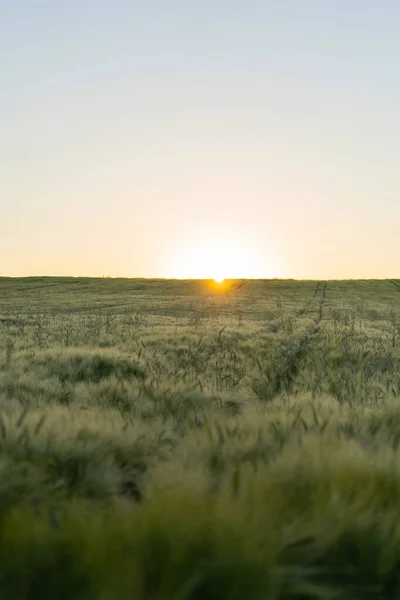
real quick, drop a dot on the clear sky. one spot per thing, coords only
(169, 137)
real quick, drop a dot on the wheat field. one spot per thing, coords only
(182, 440)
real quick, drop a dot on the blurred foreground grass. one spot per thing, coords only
(176, 440)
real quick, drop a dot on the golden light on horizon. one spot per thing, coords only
(218, 258)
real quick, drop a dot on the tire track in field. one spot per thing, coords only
(309, 302)
(315, 324)
(235, 288)
(395, 283)
(285, 369)
(275, 327)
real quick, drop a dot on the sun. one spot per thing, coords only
(219, 258)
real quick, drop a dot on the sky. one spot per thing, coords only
(179, 138)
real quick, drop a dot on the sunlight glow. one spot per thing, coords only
(218, 257)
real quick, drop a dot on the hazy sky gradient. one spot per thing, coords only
(130, 129)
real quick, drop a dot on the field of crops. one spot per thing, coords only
(186, 440)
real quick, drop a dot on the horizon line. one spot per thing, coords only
(141, 278)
